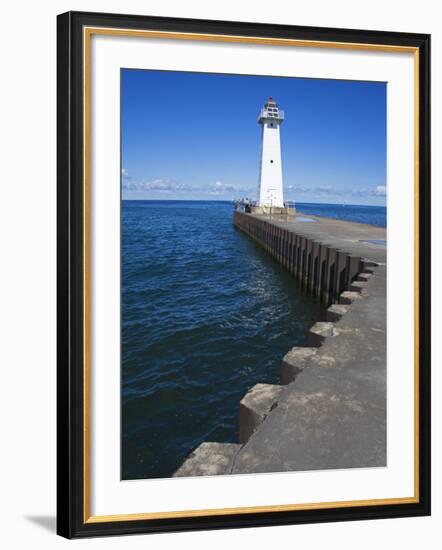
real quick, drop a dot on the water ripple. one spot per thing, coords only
(206, 314)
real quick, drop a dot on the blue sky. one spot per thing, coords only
(196, 136)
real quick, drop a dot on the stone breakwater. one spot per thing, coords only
(329, 410)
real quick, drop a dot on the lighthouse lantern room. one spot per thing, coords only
(270, 192)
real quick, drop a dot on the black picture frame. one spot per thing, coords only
(71, 518)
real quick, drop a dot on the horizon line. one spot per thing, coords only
(232, 200)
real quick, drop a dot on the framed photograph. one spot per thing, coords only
(243, 274)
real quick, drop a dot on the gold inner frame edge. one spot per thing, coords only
(87, 33)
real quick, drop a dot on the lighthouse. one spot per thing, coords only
(270, 192)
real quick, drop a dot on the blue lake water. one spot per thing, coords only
(206, 314)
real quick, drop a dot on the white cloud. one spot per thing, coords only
(219, 187)
(124, 173)
(329, 190)
(154, 185)
(168, 186)
(381, 190)
(316, 190)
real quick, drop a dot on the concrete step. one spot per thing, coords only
(358, 286)
(319, 332)
(348, 297)
(335, 312)
(295, 361)
(255, 406)
(209, 459)
(369, 266)
(364, 276)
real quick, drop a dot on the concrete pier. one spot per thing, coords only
(323, 255)
(330, 410)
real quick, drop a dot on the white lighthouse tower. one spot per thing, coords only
(270, 193)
